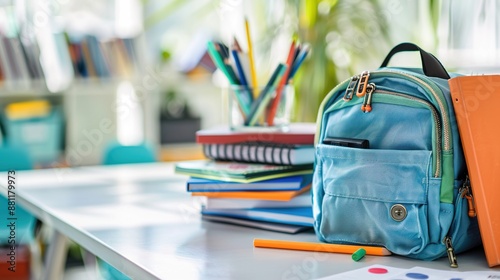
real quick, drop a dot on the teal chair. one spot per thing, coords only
(115, 153)
(16, 159)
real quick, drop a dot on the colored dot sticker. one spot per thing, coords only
(377, 270)
(414, 275)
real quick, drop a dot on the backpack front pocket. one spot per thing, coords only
(373, 197)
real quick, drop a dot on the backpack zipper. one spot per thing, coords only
(363, 84)
(350, 88)
(451, 252)
(465, 191)
(367, 101)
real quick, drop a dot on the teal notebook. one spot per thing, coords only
(239, 172)
(289, 183)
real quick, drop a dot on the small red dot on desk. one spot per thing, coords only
(377, 270)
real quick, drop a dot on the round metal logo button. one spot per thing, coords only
(398, 212)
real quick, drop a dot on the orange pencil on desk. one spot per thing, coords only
(319, 247)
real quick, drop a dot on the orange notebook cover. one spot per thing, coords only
(476, 100)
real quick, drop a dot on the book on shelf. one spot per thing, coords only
(286, 183)
(239, 172)
(19, 55)
(292, 215)
(95, 58)
(302, 200)
(297, 133)
(31, 54)
(260, 152)
(14, 62)
(278, 227)
(475, 100)
(262, 195)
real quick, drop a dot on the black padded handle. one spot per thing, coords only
(430, 64)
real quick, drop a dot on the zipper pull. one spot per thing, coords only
(367, 101)
(466, 192)
(451, 254)
(350, 88)
(363, 82)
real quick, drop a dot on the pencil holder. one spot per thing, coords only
(260, 108)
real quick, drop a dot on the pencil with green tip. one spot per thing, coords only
(319, 247)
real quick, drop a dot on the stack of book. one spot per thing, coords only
(257, 179)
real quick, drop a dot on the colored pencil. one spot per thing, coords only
(298, 61)
(242, 76)
(263, 100)
(253, 74)
(275, 103)
(236, 45)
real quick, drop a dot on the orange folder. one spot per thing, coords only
(476, 100)
(263, 195)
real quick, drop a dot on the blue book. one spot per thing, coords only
(101, 68)
(290, 183)
(301, 216)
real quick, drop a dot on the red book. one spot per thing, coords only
(297, 134)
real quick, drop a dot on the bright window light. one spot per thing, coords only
(128, 18)
(129, 117)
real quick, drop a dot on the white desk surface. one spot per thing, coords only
(140, 219)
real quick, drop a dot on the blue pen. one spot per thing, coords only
(243, 95)
(300, 58)
(262, 101)
(241, 73)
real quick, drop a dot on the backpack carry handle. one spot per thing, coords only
(430, 64)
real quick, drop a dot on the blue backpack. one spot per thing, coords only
(389, 168)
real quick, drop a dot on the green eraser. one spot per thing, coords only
(359, 254)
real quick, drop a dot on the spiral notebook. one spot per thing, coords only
(261, 152)
(475, 100)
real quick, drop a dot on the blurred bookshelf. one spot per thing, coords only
(95, 81)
